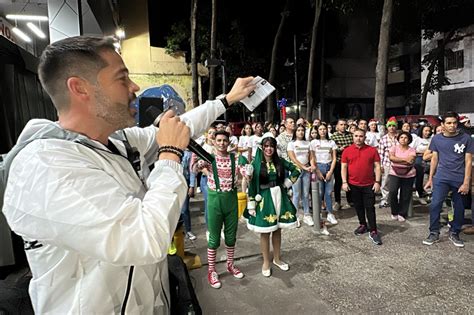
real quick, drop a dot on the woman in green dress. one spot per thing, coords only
(269, 209)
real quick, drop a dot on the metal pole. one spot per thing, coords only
(296, 78)
(410, 207)
(316, 201)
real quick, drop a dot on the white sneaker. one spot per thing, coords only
(422, 201)
(198, 190)
(331, 218)
(207, 236)
(336, 206)
(401, 219)
(308, 220)
(345, 206)
(298, 223)
(191, 235)
(394, 217)
(324, 231)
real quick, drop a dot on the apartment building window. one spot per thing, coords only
(454, 60)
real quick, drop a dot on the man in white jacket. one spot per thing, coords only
(96, 227)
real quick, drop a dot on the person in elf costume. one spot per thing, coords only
(222, 206)
(269, 209)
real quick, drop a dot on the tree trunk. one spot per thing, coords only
(382, 57)
(271, 101)
(212, 70)
(312, 61)
(321, 79)
(431, 69)
(194, 71)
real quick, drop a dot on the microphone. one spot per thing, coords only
(155, 114)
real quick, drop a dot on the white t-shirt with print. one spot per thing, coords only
(323, 150)
(301, 150)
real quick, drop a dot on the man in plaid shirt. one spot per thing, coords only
(387, 141)
(342, 139)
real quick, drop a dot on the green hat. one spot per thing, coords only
(392, 121)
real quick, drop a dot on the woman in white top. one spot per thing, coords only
(372, 136)
(323, 153)
(244, 147)
(421, 144)
(233, 141)
(299, 154)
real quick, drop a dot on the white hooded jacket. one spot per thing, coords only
(87, 218)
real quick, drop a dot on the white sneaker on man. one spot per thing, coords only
(190, 235)
(308, 220)
(336, 206)
(331, 218)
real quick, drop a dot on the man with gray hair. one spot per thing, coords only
(97, 223)
(285, 137)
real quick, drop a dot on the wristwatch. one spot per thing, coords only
(223, 99)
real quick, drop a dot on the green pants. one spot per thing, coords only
(222, 209)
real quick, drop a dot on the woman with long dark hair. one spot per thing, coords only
(269, 209)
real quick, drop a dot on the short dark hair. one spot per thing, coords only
(75, 56)
(409, 136)
(450, 115)
(221, 132)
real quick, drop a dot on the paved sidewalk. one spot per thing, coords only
(343, 273)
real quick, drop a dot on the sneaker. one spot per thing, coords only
(360, 230)
(298, 223)
(394, 217)
(336, 206)
(233, 270)
(324, 230)
(401, 218)
(308, 220)
(331, 218)
(190, 235)
(375, 237)
(207, 236)
(383, 204)
(431, 239)
(454, 238)
(345, 206)
(213, 280)
(422, 201)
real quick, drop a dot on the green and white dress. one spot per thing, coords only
(274, 208)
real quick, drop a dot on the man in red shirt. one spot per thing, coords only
(361, 162)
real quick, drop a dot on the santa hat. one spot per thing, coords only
(463, 119)
(392, 121)
(372, 121)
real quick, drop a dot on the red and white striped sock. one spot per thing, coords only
(211, 259)
(230, 255)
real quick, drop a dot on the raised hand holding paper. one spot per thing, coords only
(261, 92)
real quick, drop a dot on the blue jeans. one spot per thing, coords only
(440, 191)
(203, 185)
(325, 188)
(301, 188)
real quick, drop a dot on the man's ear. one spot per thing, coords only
(78, 88)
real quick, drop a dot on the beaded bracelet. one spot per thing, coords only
(171, 149)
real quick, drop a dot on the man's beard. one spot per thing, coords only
(115, 114)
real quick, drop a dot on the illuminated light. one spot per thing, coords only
(21, 35)
(21, 17)
(120, 33)
(35, 29)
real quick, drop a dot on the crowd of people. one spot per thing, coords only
(361, 158)
(97, 200)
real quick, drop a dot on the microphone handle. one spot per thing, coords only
(194, 147)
